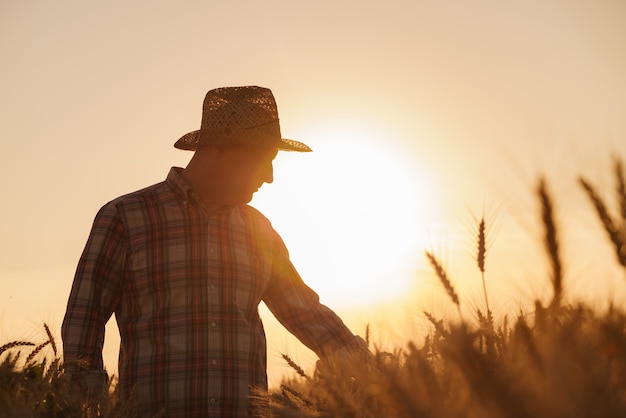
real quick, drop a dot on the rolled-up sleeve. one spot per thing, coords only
(95, 292)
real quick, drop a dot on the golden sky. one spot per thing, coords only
(421, 114)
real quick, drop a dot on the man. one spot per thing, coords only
(184, 264)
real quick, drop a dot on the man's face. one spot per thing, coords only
(248, 167)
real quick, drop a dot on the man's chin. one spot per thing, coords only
(248, 197)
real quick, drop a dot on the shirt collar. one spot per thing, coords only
(179, 186)
(184, 191)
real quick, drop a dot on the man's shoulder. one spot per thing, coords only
(255, 214)
(153, 194)
(253, 218)
(260, 222)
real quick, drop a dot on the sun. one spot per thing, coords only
(352, 213)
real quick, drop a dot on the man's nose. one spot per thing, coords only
(268, 174)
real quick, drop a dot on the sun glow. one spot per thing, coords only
(352, 213)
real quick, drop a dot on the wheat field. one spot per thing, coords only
(559, 360)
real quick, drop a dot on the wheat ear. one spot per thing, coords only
(12, 344)
(51, 339)
(36, 351)
(621, 189)
(621, 197)
(287, 390)
(481, 255)
(443, 277)
(607, 221)
(295, 366)
(437, 323)
(551, 241)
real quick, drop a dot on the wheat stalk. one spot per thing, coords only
(481, 247)
(621, 197)
(12, 344)
(481, 256)
(295, 366)
(36, 351)
(51, 339)
(287, 390)
(607, 221)
(437, 323)
(551, 241)
(53, 369)
(620, 188)
(443, 277)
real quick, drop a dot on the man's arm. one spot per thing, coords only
(298, 309)
(95, 292)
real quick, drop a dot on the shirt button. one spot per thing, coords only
(212, 250)
(213, 362)
(213, 400)
(212, 286)
(213, 324)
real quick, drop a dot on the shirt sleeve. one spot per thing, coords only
(95, 292)
(297, 307)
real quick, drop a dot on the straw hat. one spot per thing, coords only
(239, 115)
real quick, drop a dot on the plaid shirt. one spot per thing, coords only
(185, 284)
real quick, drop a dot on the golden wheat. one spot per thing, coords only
(607, 222)
(438, 324)
(620, 188)
(36, 351)
(51, 339)
(481, 255)
(443, 278)
(295, 366)
(558, 360)
(551, 241)
(13, 344)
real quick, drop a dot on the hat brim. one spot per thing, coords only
(190, 142)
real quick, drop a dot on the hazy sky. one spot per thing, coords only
(421, 113)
